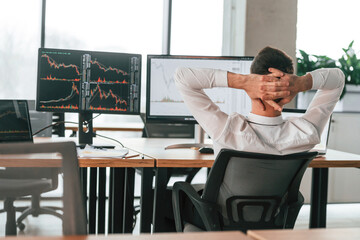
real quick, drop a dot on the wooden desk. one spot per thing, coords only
(133, 159)
(155, 155)
(155, 148)
(169, 236)
(313, 234)
(192, 158)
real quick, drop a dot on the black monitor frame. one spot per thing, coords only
(85, 113)
(135, 91)
(25, 112)
(176, 119)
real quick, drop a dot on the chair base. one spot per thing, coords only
(35, 210)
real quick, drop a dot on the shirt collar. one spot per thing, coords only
(265, 120)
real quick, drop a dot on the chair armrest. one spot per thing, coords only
(207, 210)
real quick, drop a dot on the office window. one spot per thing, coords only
(325, 27)
(20, 22)
(197, 27)
(110, 25)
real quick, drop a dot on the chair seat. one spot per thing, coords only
(12, 188)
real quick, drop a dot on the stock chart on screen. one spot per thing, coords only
(14, 121)
(75, 81)
(164, 101)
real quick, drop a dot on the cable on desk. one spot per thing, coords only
(113, 139)
(52, 125)
(61, 122)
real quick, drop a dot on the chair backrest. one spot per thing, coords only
(74, 217)
(252, 190)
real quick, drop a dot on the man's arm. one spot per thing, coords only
(328, 81)
(191, 83)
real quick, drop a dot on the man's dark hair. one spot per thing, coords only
(270, 57)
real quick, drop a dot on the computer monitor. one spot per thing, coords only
(88, 82)
(15, 121)
(163, 101)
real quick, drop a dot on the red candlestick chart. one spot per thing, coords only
(78, 80)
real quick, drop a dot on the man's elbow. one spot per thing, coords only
(341, 75)
(179, 74)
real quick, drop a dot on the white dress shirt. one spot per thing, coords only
(255, 133)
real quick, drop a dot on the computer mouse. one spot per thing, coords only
(206, 150)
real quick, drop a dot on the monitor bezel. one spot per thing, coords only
(31, 138)
(86, 111)
(176, 119)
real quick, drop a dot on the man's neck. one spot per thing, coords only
(268, 112)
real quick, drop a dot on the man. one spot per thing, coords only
(270, 86)
(263, 130)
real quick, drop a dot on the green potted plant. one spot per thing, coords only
(348, 63)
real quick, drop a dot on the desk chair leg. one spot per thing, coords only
(319, 191)
(146, 200)
(10, 227)
(128, 216)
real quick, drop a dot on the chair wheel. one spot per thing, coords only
(21, 226)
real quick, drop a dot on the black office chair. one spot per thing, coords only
(243, 191)
(74, 215)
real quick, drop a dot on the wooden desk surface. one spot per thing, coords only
(334, 158)
(313, 234)
(161, 236)
(155, 147)
(146, 152)
(132, 159)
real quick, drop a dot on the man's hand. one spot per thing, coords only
(265, 87)
(296, 84)
(261, 87)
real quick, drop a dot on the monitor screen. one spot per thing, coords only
(14, 121)
(165, 104)
(99, 82)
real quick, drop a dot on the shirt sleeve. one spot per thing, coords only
(191, 82)
(329, 83)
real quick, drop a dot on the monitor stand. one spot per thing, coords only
(86, 137)
(199, 141)
(85, 123)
